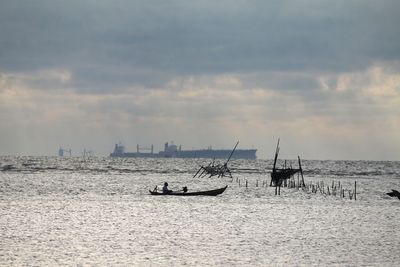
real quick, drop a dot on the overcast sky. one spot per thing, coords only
(324, 76)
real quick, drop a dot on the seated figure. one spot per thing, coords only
(165, 189)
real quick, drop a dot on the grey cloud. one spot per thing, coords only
(298, 81)
(205, 70)
(93, 38)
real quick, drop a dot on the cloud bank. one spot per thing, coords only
(322, 75)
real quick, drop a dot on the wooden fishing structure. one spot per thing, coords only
(213, 169)
(280, 175)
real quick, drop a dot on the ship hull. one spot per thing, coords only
(206, 153)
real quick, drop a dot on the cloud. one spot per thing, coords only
(379, 84)
(124, 41)
(210, 109)
(202, 72)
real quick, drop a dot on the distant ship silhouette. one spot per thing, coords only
(174, 151)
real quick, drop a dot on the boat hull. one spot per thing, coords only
(214, 192)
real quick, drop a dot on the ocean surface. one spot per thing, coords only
(74, 211)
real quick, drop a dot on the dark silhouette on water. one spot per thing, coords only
(184, 192)
(165, 189)
(394, 193)
(278, 175)
(213, 169)
(174, 151)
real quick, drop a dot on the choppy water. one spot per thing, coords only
(97, 212)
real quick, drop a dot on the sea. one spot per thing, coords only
(97, 211)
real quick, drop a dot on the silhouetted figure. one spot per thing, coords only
(394, 193)
(165, 189)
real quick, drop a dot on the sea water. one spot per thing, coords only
(98, 212)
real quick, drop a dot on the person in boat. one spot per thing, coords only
(165, 189)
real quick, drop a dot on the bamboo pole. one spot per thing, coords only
(301, 171)
(355, 190)
(298, 180)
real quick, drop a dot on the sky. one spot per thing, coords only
(323, 76)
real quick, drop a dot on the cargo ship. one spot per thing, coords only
(174, 151)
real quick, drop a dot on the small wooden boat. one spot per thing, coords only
(200, 193)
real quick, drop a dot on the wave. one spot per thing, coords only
(106, 165)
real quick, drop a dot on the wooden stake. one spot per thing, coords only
(301, 171)
(355, 190)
